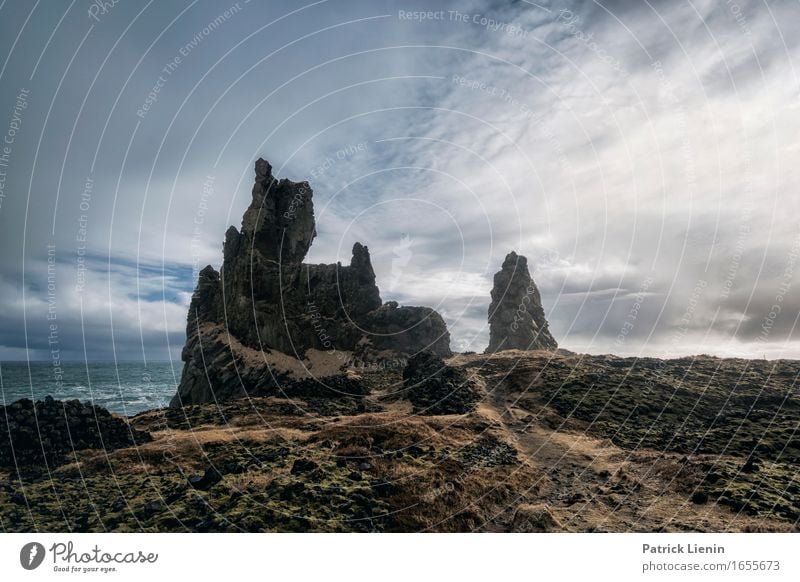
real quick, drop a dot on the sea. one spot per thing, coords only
(125, 387)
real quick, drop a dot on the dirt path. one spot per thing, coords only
(593, 485)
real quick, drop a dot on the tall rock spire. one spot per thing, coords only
(516, 317)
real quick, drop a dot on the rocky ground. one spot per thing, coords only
(549, 442)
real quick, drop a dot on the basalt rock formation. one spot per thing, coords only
(516, 316)
(48, 432)
(252, 323)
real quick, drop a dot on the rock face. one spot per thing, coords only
(266, 299)
(516, 317)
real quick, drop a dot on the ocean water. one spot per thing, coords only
(125, 388)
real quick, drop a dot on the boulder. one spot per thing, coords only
(405, 330)
(436, 388)
(207, 480)
(516, 316)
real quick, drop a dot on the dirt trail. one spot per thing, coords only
(593, 485)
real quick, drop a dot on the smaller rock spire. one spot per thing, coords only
(516, 316)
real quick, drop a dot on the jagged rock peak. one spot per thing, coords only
(516, 316)
(362, 263)
(513, 260)
(280, 219)
(265, 299)
(263, 170)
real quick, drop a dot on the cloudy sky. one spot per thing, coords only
(642, 154)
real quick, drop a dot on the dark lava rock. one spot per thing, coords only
(488, 451)
(303, 466)
(206, 481)
(51, 430)
(292, 490)
(436, 388)
(750, 466)
(265, 298)
(233, 468)
(382, 488)
(152, 507)
(516, 316)
(273, 455)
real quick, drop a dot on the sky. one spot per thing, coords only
(641, 154)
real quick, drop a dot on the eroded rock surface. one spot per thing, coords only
(266, 300)
(516, 316)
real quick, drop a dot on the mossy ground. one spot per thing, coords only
(732, 425)
(598, 443)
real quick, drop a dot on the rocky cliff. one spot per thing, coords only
(250, 324)
(516, 316)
